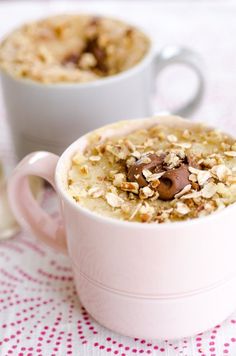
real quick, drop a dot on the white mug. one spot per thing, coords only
(51, 116)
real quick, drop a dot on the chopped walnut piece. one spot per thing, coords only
(145, 192)
(154, 177)
(114, 200)
(192, 177)
(223, 191)
(76, 191)
(132, 187)
(145, 159)
(95, 192)
(130, 145)
(191, 195)
(185, 190)
(230, 153)
(94, 158)
(209, 190)
(184, 145)
(125, 208)
(146, 211)
(202, 176)
(118, 151)
(154, 184)
(172, 160)
(182, 208)
(172, 138)
(208, 162)
(146, 172)
(119, 178)
(221, 172)
(130, 161)
(136, 154)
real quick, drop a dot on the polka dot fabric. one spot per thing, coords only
(41, 315)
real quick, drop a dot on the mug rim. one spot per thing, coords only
(61, 190)
(149, 55)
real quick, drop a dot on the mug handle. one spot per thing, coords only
(26, 209)
(181, 55)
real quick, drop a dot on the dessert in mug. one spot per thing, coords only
(158, 174)
(72, 48)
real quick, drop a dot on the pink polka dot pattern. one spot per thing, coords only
(40, 313)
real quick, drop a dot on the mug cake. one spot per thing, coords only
(72, 48)
(163, 173)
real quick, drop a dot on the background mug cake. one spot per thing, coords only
(66, 75)
(158, 196)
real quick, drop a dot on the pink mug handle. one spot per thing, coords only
(26, 209)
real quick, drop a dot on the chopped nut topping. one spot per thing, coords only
(154, 177)
(130, 187)
(221, 172)
(147, 174)
(172, 138)
(230, 153)
(182, 208)
(192, 177)
(145, 177)
(191, 195)
(172, 160)
(145, 192)
(130, 145)
(72, 49)
(136, 154)
(117, 151)
(94, 158)
(95, 192)
(209, 190)
(185, 190)
(114, 200)
(119, 178)
(183, 145)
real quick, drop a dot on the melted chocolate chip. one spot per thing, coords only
(135, 171)
(173, 181)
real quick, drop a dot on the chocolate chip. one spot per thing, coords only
(173, 181)
(135, 171)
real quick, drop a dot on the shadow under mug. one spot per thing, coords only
(163, 281)
(51, 116)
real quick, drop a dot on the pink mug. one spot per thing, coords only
(141, 280)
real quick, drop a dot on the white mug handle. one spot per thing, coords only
(175, 54)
